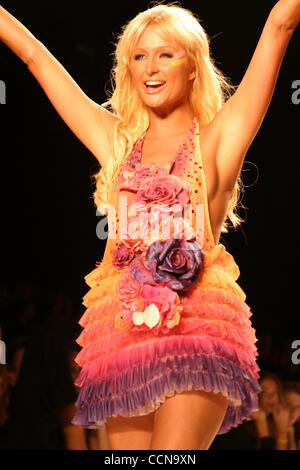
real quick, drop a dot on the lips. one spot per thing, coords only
(154, 86)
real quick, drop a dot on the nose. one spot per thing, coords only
(152, 66)
(271, 398)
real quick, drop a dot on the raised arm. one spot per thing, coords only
(237, 123)
(89, 121)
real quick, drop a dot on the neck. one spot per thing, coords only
(172, 123)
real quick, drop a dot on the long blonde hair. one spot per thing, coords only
(210, 89)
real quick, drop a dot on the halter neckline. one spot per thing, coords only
(173, 160)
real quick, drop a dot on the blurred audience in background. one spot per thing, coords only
(291, 391)
(37, 391)
(274, 426)
(273, 429)
(276, 423)
(4, 386)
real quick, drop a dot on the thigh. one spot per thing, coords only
(130, 433)
(103, 442)
(188, 421)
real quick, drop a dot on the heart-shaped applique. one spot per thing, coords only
(150, 316)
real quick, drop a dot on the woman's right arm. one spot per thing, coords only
(89, 121)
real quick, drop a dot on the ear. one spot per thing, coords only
(193, 71)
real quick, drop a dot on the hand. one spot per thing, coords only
(281, 417)
(294, 415)
(261, 423)
(259, 415)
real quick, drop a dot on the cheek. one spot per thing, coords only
(176, 75)
(135, 73)
(178, 62)
(175, 69)
(134, 78)
(262, 401)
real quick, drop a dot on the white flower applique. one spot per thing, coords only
(150, 316)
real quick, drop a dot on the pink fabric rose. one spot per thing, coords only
(168, 190)
(128, 290)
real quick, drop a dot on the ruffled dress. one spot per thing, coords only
(164, 312)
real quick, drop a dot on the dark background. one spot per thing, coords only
(48, 230)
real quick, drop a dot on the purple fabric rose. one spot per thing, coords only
(122, 256)
(176, 263)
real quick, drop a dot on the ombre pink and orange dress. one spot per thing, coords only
(164, 312)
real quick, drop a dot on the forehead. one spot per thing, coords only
(293, 397)
(268, 384)
(153, 38)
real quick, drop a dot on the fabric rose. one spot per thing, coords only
(128, 290)
(176, 263)
(166, 190)
(162, 310)
(122, 256)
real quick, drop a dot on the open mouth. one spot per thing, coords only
(154, 86)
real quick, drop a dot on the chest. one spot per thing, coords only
(160, 151)
(166, 151)
(163, 151)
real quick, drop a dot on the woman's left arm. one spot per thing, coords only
(239, 120)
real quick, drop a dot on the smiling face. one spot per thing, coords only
(269, 396)
(161, 71)
(293, 404)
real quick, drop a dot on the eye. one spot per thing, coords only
(166, 54)
(138, 56)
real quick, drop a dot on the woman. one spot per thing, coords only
(168, 353)
(273, 427)
(291, 392)
(4, 385)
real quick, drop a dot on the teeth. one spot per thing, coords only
(153, 82)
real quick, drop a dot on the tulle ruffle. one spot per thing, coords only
(136, 381)
(213, 316)
(129, 373)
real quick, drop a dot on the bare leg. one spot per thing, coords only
(130, 433)
(188, 421)
(103, 442)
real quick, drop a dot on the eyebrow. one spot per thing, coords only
(155, 49)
